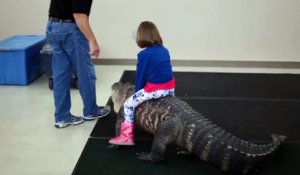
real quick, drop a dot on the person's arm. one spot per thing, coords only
(141, 73)
(82, 22)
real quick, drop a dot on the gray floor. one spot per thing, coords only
(28, 140)
(30, 145)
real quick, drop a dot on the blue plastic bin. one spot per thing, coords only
(46, 59)
(19, 59)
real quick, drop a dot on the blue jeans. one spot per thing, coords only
(71, 54)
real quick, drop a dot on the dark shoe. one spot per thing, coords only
(103, 111)
(73, 120)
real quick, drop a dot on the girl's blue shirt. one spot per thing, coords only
(153, 65)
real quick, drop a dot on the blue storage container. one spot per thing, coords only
(20, 59)
(46, 59)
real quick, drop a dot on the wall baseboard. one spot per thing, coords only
(208, 63)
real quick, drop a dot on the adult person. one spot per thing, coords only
(73, 42)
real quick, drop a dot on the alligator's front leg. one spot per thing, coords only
(120, 119)
(167, 132)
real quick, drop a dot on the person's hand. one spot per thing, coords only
(94, 49)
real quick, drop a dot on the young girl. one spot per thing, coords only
(154, 78)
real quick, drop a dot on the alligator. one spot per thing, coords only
(173, 121)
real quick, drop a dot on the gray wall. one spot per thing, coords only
(236, 30)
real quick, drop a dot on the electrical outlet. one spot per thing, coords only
(133, 34)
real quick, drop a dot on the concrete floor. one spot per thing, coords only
(29, 142)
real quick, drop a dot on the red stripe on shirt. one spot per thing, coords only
(151, 87)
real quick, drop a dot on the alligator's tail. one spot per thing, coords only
(252, 157)
(236, 155)
(278, 138)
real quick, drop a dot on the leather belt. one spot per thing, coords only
(54, 19)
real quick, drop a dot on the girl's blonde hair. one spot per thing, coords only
(148, 35)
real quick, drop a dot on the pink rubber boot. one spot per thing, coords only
(126, 136)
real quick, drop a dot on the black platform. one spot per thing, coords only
(97, 159)
(250, 106)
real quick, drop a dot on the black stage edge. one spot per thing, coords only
(97, 159)
(250, 106)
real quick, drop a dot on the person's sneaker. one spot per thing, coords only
(103, 111)
(73, 120)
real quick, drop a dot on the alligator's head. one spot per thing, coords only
(120, 92)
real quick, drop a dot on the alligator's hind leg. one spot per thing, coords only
(166, 133)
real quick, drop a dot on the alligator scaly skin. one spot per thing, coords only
(172, 120)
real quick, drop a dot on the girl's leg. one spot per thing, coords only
(139, 97)
(127, 134)
(131, 103)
